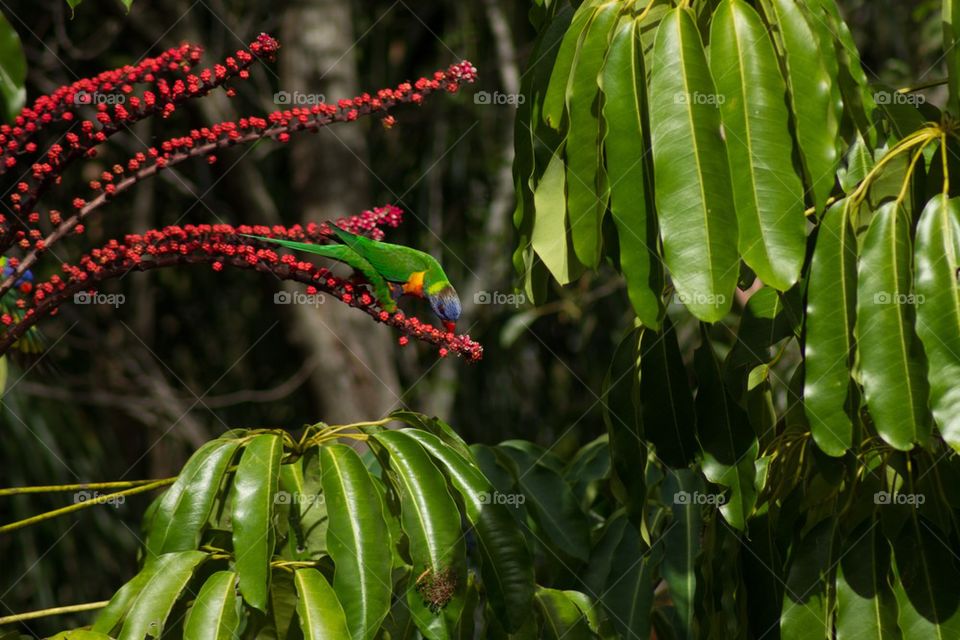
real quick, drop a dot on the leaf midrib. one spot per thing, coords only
(714, 281)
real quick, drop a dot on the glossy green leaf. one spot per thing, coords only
(76, 634)
(666, 401)
(436, 427)
(13, 69)
(533, 453)
(728, 441)
(429, 514)
(928, 575)
(828, 345)
(215, 614)
(806, 605)
(183, 512)
(110, 616)
(812, 95)
(768, 318)
(627, 593)
(496, 467)
(900, 110)
(892, 364)
(301, 488)
(255, 486)
(550, 236)
(627, 144)
(624, 422)
(758, 375)
(555, 98)
(507, 568)
(588, 607)
(320, 614)
(470, 619)
(766, 189)
(528, 134)
(148, 612)
(588, 471)
(587, 189)
(693, 192)
(355, 539)
(951, 38)
(681, 540)
(606, 540)
(857, 163)
(552, 504)
(851, 79)
(937, 262)
(283, 601)
(562, 618)
(866, 605)
(763, 574)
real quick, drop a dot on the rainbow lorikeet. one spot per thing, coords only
(392, 270)
(31, 341)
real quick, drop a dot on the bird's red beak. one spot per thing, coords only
(451, 326)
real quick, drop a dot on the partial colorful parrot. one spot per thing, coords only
(31, 342)
(392, 270)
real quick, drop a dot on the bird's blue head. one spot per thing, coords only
(446, 304)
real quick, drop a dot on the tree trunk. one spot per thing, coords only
(356, 379)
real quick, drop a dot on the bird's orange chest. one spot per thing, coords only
(414, 284)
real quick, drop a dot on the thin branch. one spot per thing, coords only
(55, 611)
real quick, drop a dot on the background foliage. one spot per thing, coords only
(160, 375)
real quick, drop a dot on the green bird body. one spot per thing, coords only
(392, 270)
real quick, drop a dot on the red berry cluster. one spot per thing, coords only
(203, 142)
(84, 136)
(171, 81)
(15, 139)
(225, 245)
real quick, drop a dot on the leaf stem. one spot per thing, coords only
(921, 136)
(909, 175)
(55, 611)
(946, 165)
(53, 488)
(925, 85)
(101, 499)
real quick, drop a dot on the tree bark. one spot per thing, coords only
(357, 378)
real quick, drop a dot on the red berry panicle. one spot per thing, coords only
(94, 109)
(111, 97)
(61, 105)
(222, 245)
(203, 142)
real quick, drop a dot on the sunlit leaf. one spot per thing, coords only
(627, 146)
(937, 261)
(318, 609)
(766, 189)
(812, 93)
(356, 541)
(587, 189)
(892, 363)
(693, 192)
(255, 486)
(149, 611)
(215, 614)
(828, 346)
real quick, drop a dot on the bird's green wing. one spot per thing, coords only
(394, 262)
(345, 254)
